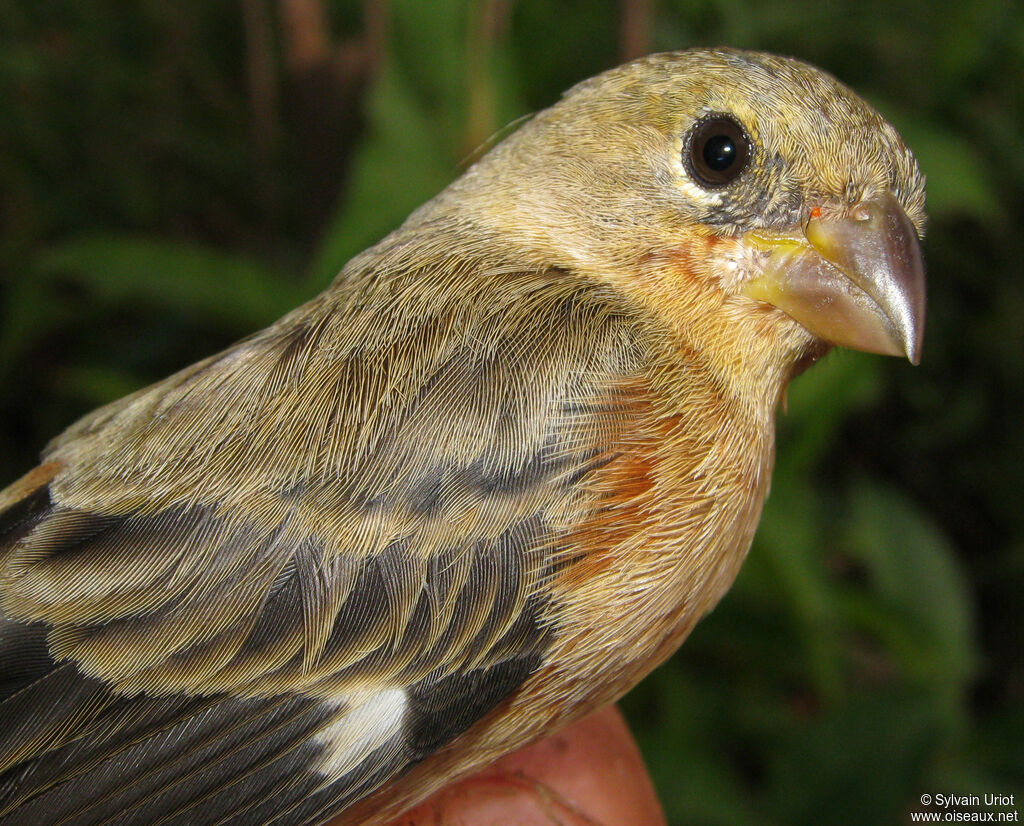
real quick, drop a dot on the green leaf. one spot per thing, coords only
(914, 570)
(817, 404)
(189, 278)
(400, 165)
(958, 182)
(854, 763)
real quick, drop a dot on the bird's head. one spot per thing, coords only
(735, 191)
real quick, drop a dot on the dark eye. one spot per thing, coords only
(718, 151)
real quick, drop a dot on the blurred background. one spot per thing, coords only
(174, 176)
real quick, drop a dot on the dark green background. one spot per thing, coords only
(174, 176)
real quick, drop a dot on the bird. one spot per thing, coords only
(479, 487)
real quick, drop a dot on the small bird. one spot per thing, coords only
(477, 488)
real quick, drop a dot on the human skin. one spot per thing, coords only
(589, 774)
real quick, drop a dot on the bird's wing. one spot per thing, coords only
(254, 592)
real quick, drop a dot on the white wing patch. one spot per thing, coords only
(362, 731)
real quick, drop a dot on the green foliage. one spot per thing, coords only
(223, 288)
(402, 163)
(155, 208)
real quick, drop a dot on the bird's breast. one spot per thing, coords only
(674, 512)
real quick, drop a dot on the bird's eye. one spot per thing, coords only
(718, 151)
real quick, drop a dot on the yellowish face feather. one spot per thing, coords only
(610, 156)
(484, 483)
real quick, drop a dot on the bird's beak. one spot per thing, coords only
(857, 280)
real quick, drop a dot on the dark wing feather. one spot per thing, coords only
(254, 592)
